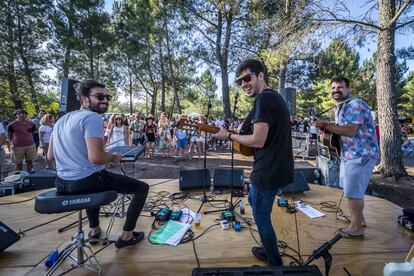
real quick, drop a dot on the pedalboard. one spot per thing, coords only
(163, 214)
(282, 202)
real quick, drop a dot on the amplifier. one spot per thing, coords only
(222, 178)
(43, 179)
(299, 185)
(7, 236)
(311, 270)
(193, 179)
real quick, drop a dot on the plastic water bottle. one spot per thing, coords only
(242, 207)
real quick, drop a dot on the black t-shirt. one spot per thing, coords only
(273, 164)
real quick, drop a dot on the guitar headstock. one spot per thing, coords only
(185, 124)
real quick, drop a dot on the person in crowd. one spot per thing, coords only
(106, 132)
(181, 138)
(150, 130)
(359, 151)
(45, 132)
(269, 123)
(164, 132)
(20, 134)
(77, 147)
(313, 131)
(407, 145)
(36, 121)
(118, 135)
(3, 138)
(195, 141)
(137, 130)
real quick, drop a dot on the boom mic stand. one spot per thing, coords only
(204, 198)
(231, 206)
(323, 251)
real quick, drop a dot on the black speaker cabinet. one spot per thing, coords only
(193, 179)
(289, 95)
(222, 178)
(43, 179)
(310, 270)
(68, 100)
(7, 236)
(298, 186)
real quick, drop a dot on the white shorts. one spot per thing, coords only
(354, 176)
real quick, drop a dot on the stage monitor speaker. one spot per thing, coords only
(289, 95)
(7, 236)
(299, 185)
(68, 99)
(193, 179)
(311, 270)
(43, 179)
(222, 178)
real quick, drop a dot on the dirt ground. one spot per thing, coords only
(400, 192)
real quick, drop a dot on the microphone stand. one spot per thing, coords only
(204, 198)
(323, 251)
(231, 206)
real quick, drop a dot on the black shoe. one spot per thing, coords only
(136, 238)
(259, 253)
(92, 237)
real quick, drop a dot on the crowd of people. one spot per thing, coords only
(23, 136)
(162, 134)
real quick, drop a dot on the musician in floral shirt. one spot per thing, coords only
(359, 151)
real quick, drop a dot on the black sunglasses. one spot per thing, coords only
(101, 96)
(246, 78)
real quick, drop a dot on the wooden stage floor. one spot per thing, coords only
(385, 241)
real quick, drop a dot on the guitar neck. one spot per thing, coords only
(202, 127)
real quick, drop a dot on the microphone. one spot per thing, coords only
(209, 103)
(236, 95)
(323, 249)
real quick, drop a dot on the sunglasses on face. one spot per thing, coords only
(101, 96)
(246, 78)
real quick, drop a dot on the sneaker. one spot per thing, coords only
(136, 238)
(259, 253)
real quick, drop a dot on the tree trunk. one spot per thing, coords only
(162, 78)
(27, 70)
(11, 77)
(91, 69)
(282, 75)
(130, 85)
(68, 49)
(154, 103)
(222, 58)
(391, 157)
(177, 100)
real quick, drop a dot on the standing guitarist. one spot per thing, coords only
(273, 158)
(359, 151)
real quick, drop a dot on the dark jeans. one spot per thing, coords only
(262, 201)
(107, 181)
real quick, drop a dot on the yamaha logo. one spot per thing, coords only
(76, 201)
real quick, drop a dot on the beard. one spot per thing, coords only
(99, 108)
(338, 96)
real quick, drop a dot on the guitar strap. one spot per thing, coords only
(341, 105)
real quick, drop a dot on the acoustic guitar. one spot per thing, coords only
(331, 140)
(186, 124)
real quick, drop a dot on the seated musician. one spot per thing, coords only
(77, 147)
